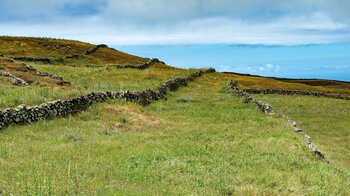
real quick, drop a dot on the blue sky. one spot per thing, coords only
(296, 38)
(326, 61)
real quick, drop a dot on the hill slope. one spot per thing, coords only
(60, 51)
(200, 139)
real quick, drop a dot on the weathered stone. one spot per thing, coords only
(297, 129)
(33, 59)
(15, 80)
(313, 147)
(266, 108)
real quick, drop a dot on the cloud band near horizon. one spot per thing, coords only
(133, 22)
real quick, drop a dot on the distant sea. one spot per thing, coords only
(326, 61)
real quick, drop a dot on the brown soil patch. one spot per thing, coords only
(17, 69)
(130, 118)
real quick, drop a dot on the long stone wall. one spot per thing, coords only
(25, 115)
(295, 92)
(33, 59)
(267, 109)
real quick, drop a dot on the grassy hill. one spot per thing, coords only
(60, 51)
(201, 139)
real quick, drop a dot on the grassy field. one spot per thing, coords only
(201, 140)
(326, 120)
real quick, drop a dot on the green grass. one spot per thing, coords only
(214, 144)
(325, 120)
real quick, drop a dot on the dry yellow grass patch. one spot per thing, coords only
(247, 189)
(130, 118)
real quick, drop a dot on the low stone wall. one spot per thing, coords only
(93, 50)
(25, 115)
(15, 80)
(266, 108)
(87, 52)
(141, 66)
(28, 68)
(32, 59)
(247, 98)
(74, 56)
(295, 92)
(44, 74)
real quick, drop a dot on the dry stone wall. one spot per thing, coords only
(25, 115)
(33, 59)
(87, 52)
(15, 80)
(295, 92)
(247, 98)
(93, 50)
(23, 67)
(266, 108)
(141, 67)
(44, 74)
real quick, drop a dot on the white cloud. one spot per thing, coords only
(285, 31)
(270, 22)
(265, 69)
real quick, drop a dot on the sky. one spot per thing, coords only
(266, 33)
(279, 61)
